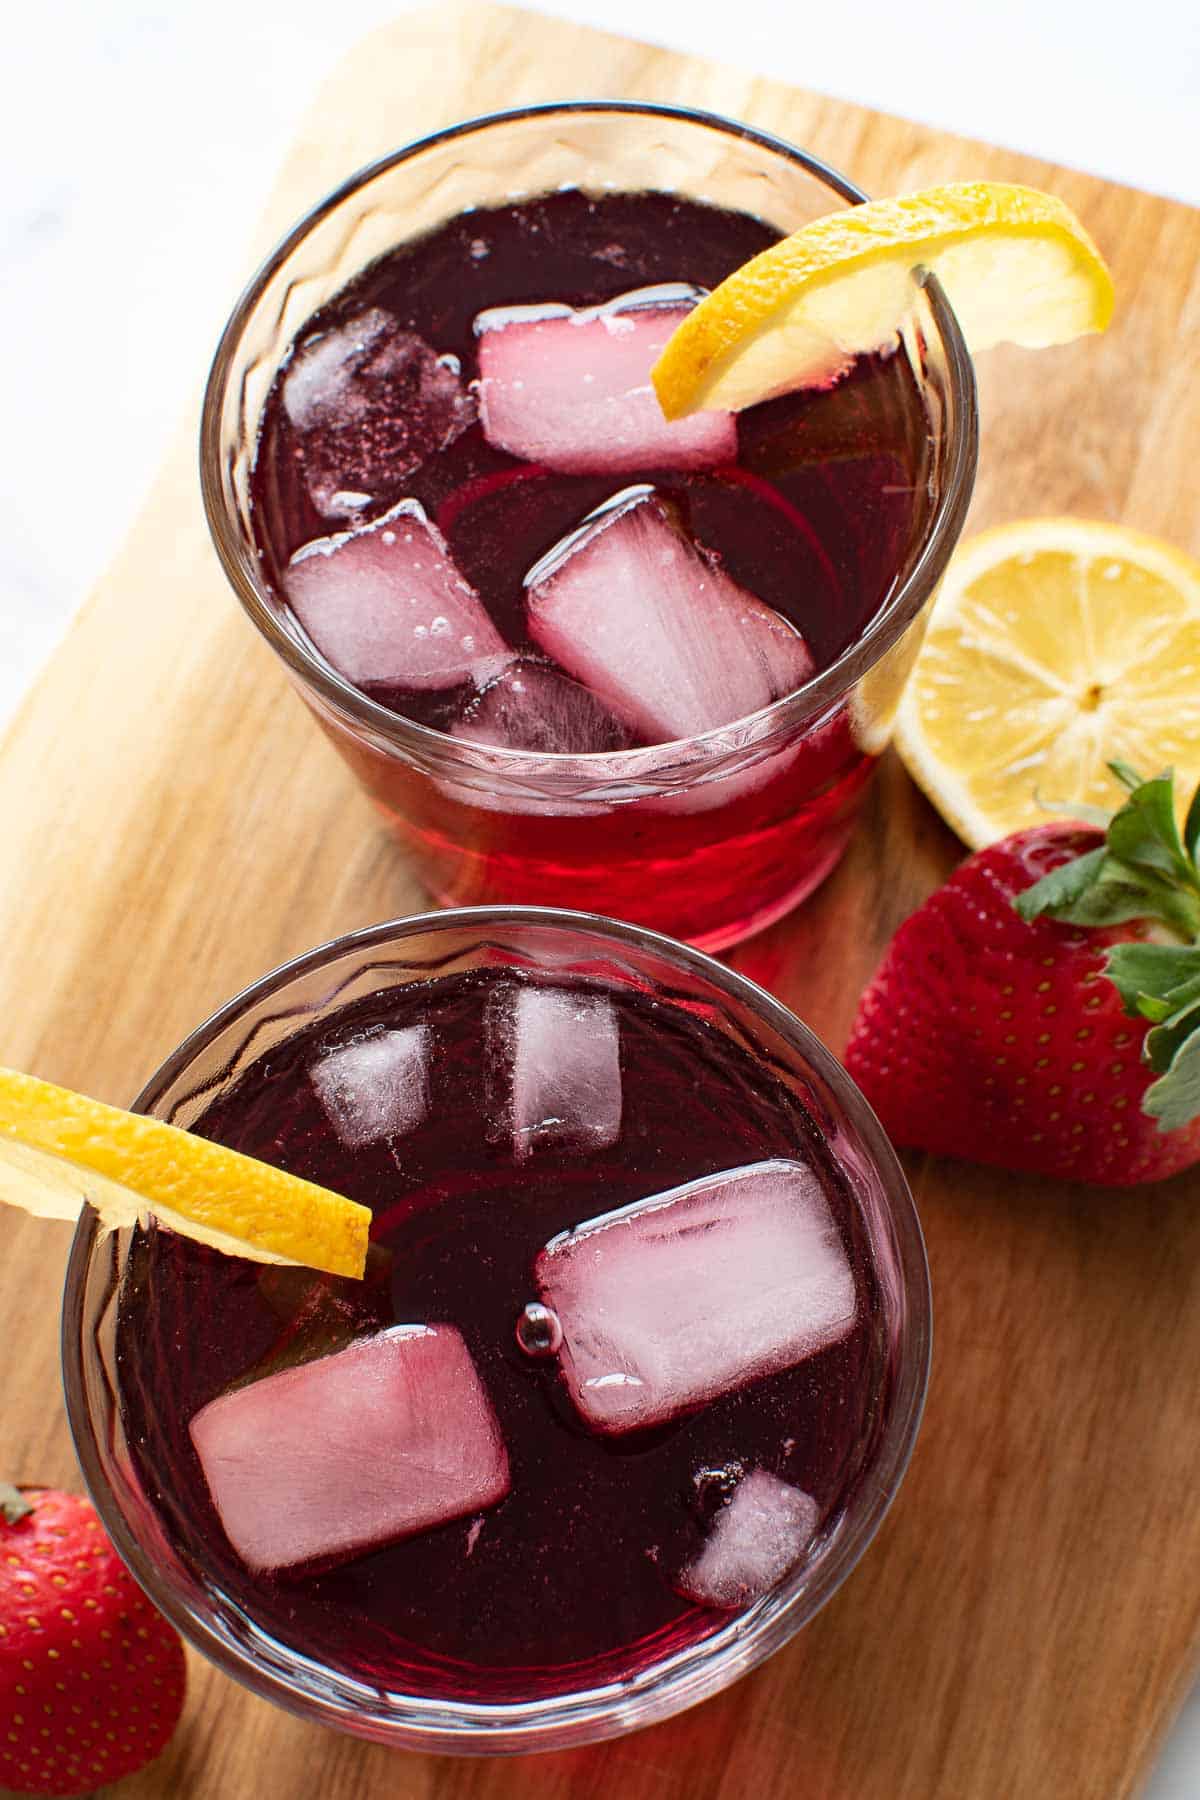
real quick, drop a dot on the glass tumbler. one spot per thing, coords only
(708, 838)
(222, 1612)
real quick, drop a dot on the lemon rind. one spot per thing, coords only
(130, 1166)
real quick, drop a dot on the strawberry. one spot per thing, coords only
(1047, 1027)
(91, 1677)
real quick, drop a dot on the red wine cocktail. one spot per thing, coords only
(633, 1372)
(579, 656)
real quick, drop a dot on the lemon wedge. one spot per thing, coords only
(58, 1148)
(1054, 647)
(1016, 264)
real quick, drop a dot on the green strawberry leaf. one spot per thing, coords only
(1166, 1040)
(1126, 775)
(1144, 832)
(1144, 870)
(1115, 892)
(1191, 827)
(1175, 905)
(1061, 887)
(1146, 974)
(1165, 1009)
(1174, 1099)
(1174, 1017)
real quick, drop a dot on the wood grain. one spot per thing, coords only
(1029, 1616)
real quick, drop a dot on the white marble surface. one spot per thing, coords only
(138, 144)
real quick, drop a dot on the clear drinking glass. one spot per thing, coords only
(413, 951)
(708, 838)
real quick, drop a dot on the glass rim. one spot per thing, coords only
(424, 743)
(676, 1681)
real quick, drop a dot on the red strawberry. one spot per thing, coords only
(1003, 1039)
(91, 1677)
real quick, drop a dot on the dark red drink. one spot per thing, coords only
(797, 518)
(481, 1115)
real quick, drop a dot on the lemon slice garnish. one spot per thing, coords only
(1016, 264)
(58, 1148)
(1054, 647)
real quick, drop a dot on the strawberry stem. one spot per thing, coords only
(13, 1503)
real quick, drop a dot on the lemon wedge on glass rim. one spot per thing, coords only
(59, 1148)
(1016, 264)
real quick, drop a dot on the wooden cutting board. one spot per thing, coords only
(1029, 1616)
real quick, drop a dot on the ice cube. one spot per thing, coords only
(368, 403)
(530, 706)
(376, 1087)
(571, 389)
(656, 630)
(386, 604)
(391, 1436)
(686, 1295)
(756, 1537)
(562, 1049)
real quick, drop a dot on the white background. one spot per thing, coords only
(138, 146)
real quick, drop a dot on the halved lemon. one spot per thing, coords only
(1017, 266)
(58, 1148)
(1054, 647)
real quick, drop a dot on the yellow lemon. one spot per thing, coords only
(1054, 647)
(1016, 264)
(58, 1148)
